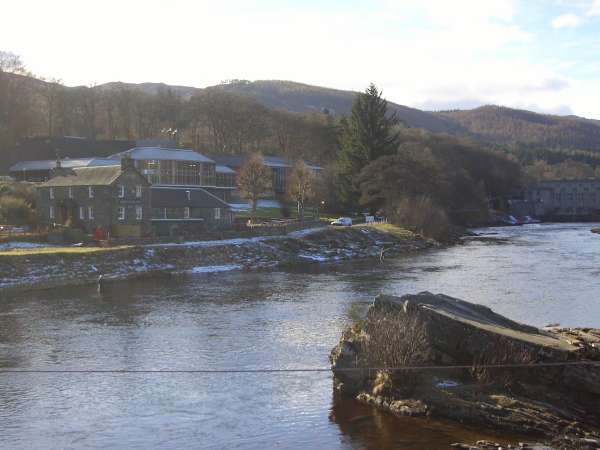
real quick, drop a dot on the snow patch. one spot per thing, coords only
(239, 241)
(318, 258)
(213, 269)
(444, 384)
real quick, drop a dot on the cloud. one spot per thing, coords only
(566, 21)
(555, 110)
(594, 9)
(435, 104)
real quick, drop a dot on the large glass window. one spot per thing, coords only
(188, 173)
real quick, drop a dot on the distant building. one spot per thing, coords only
(560, 199)
(40, 170)
(113, 200)
(54, 147)
(280, 167)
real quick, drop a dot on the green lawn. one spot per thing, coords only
(274, 213)
(393, 230)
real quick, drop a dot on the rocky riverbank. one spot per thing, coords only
(476, 367)
(322, 245)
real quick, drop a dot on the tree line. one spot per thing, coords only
(211, 120)
(420, 180)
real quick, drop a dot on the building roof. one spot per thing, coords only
(270, 161)
(86, 176)
(167, 197)
(159, 153)
(48, 164)
(219, 168)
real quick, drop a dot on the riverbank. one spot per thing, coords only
(42, 268)
(475, 367)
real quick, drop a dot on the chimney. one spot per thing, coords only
(127, 163)
(59, 170)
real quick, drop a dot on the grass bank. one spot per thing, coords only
(60, 250)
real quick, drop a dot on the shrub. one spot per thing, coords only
(422, 215)
(15, 211)
(24, 191)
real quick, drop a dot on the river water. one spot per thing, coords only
(538, 274)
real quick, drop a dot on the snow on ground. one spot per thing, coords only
(317, 258)
(213, 269)
(239, 241)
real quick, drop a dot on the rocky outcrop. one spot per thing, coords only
(307, 246)
(436, 355)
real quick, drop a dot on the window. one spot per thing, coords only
(91, 191)
(70, 192)
(138, 191)
(139, 213)
(121, 191)
(188, 195)
(82, 213)
(186, 212)
(52, 214)
(90, 212)
(51, 193)
(217, 213)
(121, 213)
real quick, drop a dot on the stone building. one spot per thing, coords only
(111, 200)
(189, 193)
(562, 199)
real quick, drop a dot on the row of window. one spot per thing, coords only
(185, 213)
(177, 172)
(90, 189)
(121, 213)
(560, 197)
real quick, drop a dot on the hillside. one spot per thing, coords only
(301, 98)
(298, 97)
(243, 116)
(501, 125)
(493, 124)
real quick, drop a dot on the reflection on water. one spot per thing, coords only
(367, 427)
(288, 319)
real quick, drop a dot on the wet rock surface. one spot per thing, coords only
(475, 366)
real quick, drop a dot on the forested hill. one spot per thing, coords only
(493, 124)
(298, 97)
(501, 125)
(302, 98)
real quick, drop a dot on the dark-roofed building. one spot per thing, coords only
(560, 200)
(73, 147)
(109, 200)
(200, 193)
(40, 170)
(176, 210)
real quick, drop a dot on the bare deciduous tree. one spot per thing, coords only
(254, 180)
(300, 186)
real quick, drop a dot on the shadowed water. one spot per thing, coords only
(288, 319)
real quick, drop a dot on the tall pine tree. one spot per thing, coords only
(365, 136)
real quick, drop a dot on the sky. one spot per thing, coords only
(541, 55)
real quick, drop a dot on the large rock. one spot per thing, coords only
(480, 367)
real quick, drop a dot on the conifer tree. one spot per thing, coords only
(365, 136)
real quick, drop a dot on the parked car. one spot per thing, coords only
(342, 222)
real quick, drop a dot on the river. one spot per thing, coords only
(538, 274)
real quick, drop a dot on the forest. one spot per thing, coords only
(211, 120)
